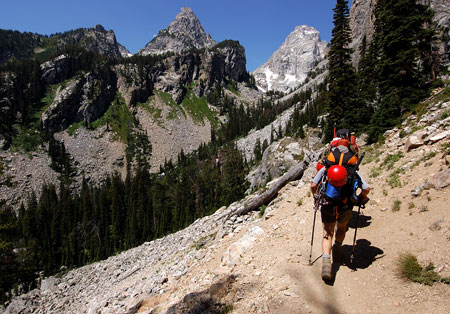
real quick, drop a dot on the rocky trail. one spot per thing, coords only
(262, 266)
(271, 273)
(258, 263)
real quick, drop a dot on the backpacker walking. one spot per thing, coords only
(334, 186)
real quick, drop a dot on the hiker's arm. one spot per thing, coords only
(365, 188)
(313, 188)
(365, 193)
(315, 181)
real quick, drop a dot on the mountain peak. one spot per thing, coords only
(290, 64)
(99, 28)
(186, 10)
(183, 33)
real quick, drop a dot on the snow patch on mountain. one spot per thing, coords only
(289, 66)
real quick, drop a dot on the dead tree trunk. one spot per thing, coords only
(294, 173)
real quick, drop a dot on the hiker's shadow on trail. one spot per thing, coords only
(365, 254)
(363, 221)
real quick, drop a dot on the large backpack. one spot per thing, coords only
(342, 156)
(342, 137)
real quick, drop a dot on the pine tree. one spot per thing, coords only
(233, 178)
(257, 151)
(403, 45)
(366, 90)
(9, 231)
(342, 79)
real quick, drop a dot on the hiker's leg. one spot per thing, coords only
(327, 240)
(340, 232)
(341, 229)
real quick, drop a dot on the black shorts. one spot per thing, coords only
(333, 213)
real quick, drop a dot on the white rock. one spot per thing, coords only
(439, 137)
(232, 255)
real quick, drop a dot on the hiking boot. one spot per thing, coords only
(336, 252)
(326, 268)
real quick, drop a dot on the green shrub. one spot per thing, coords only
(374, 172)
(403, 133)
(394, 180)
(262, 210)
(396, 206)
(428, 156)
(391, 159)
(228, 308)
(409, 268)
(445, 114)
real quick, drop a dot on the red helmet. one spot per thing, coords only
(337, 175)
(319, 166)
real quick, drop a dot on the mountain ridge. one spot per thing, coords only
(96, 39)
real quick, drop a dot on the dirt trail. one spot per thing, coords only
(274, 277)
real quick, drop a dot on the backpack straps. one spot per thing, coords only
(341, 158)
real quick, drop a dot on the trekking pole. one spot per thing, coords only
(361, 205)
(317, 200)
(312, 235)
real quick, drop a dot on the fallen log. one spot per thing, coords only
(294, 173)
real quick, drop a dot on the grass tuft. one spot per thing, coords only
(262, 210)
(409, 268)
(396, 206)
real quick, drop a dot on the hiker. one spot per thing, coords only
(339, 194)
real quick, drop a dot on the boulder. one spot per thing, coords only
(441, 179)
(277, 159)
(439, 137)
(414, 141)
(388, 133)
(232, 255)
(447, 160)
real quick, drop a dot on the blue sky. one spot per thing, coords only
(260, 26)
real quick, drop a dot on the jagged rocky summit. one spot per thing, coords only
(96, 39)
(184, 32)
(289, 66)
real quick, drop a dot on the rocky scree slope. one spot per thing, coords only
(184, 32)
(289, 66)
(258, 263)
